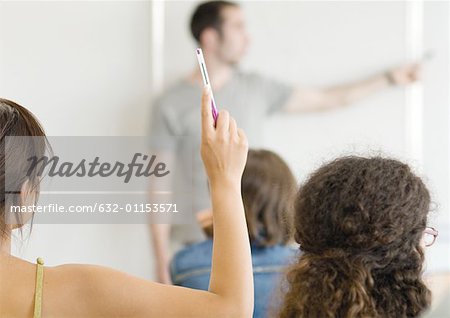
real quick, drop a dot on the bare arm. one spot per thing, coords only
(231, 271)
(307, 100)
(161, 225)
(160, 240)
(93, 291)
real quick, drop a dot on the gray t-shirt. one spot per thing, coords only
(247, 96)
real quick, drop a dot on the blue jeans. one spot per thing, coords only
(191, 267)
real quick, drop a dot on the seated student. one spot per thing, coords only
(360, 223)
(268, 191)
(28, 290)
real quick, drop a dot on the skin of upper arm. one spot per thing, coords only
(95, 291)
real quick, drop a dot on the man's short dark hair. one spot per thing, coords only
(208, 15)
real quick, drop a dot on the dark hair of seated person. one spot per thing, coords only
(359, 222)
(268, 192)
(18, 122)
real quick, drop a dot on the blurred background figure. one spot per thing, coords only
(219, 28)
(268, 192)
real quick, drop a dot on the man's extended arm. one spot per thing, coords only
(308, 100)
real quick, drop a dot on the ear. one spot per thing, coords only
(209, 39)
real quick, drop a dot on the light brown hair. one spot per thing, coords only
(17, 121)
(268, 193)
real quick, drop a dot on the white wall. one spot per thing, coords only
(436, 126)
(84, 69)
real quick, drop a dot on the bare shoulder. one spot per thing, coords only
(88, 279)
(76, 290)
(87, 290)
(74, 272)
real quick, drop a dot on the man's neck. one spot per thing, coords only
(219, 73)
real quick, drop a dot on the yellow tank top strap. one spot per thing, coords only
(38, 289)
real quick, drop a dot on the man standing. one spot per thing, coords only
(219, 29)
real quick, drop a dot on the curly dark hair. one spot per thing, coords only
(359, 222)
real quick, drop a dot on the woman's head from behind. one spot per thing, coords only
(359, 222)
(268, 193)
(17, 186)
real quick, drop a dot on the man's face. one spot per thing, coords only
(234, 39)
